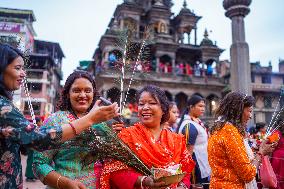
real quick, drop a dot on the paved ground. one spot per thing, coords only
(30, 185)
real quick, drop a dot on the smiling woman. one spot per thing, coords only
(14, 74)
(15, 130)
(155, 146)
(81, 95)
(63, 168)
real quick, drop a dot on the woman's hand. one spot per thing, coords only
(150, 183)
(103, 113)
(6, 132)
(74, 184)
(117, 126)
(265, 148)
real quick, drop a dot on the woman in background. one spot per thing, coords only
(174, 114)
(277, 158)
(197, 139)
(227, 152)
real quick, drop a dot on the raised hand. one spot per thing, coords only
(266, 148)
(116, 126)
(103, 113)
(6, 132)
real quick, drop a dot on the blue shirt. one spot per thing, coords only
(192, 133)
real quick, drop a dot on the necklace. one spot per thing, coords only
(73, 114)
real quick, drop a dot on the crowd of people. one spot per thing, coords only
(222, 155)
(180, 68)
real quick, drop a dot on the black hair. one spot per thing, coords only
(194, 99)
(231, 110)
(280, 123)
(38, 119)
(172, 104)
(259, 126)
(160, 96)
(8, 54)
(64, 103)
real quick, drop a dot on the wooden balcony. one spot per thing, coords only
(163, 77)
(267, 87)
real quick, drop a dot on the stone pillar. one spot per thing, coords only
(182, 38)
(106, 56)
(157, 64)
(240, 65)
(195, 36)
(173, 66)
(121, 24)
(188, 38)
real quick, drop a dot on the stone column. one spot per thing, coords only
(195, 36)
(106, 56)
(157, 65)
(121, 24)
(188, 38)
(173, 66)
(182, 38)
(240, 65)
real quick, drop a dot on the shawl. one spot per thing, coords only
(169, 150)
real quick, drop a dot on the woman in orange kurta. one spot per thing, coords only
(155, 146)
(228, 158)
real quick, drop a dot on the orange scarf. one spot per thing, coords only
(170, 149)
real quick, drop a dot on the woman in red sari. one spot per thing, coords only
(155, 146)
(277, 158)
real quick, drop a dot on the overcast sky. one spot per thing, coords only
(77, 26)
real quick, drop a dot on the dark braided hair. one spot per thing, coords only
(160, 96)
(64, 103)
(231, 110)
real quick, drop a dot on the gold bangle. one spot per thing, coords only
(57, 182)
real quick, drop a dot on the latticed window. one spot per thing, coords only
(252, 78)
(266, 79)
(35, 87)
(12, 40)
(268, 116)
(267, 102)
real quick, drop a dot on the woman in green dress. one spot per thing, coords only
(63, 167)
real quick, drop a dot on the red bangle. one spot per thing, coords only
(73, 128)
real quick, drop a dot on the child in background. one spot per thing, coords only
(174, 114)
